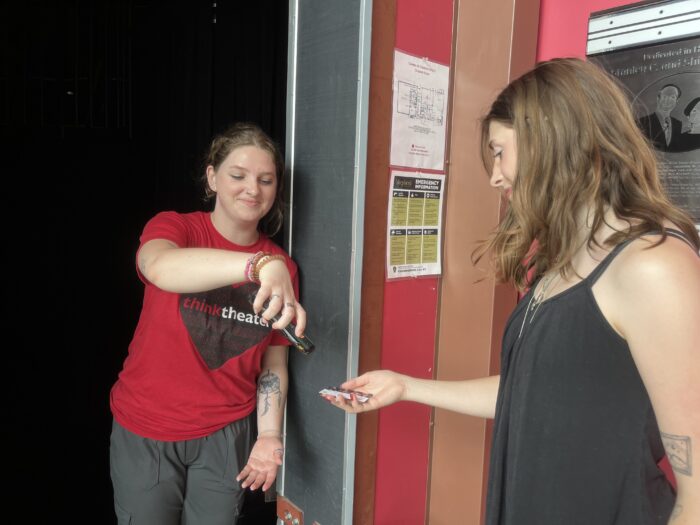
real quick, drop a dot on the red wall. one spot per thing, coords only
(410, 312)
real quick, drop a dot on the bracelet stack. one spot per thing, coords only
(255, 263)
(250, 265)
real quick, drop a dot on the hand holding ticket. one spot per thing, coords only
(370, 391)
(336, 391)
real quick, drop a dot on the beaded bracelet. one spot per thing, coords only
(250, 265)
(262, 262)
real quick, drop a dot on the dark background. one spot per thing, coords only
(106, 109)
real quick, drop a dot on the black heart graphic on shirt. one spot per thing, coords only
(221, 322)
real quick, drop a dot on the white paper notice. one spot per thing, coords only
(414, 224)
(418, 112)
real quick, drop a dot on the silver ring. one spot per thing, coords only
(274, 295)
(289, 305)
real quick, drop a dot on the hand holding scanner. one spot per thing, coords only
(303, 344)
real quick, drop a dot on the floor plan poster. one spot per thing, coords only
(419, 111)
(414, 224)
(663, 82)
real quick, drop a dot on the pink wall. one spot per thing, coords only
(564, 26)
(410, 311)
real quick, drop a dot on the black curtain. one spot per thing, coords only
(106, 108)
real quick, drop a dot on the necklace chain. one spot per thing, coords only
(536, 300)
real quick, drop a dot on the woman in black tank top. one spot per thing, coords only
(600, 358)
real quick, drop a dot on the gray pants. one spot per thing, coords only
(189, 482)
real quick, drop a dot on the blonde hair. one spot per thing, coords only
(578, 145)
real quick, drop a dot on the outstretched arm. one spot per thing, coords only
(183, 270)
(475, 397)
(268, 450)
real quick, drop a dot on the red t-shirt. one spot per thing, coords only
(194, 359)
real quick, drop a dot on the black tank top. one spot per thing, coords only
(575, 438)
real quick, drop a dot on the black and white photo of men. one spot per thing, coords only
(663, 129)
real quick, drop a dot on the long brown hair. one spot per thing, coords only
(249, 134)
(578, 145)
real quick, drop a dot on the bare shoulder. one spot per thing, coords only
(649, 283)
(645, 267)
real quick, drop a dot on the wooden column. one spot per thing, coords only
(493, 42)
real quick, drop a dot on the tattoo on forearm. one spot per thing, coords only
(676, 511)
(268, 387)
(679, 452)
